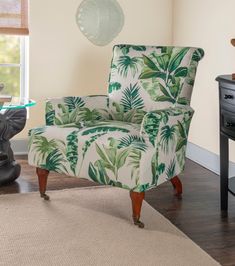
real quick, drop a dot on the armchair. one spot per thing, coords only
(135, 137)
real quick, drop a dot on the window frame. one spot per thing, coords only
(23, 66)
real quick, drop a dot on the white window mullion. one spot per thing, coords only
(24, 67)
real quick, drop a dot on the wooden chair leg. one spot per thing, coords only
(137, 199)
(177, 186)
(42, 181)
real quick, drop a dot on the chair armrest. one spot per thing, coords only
(175, 120)
(167, 130)
(74, 110)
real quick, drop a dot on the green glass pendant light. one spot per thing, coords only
(100, 20)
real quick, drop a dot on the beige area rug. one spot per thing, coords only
(89, 226)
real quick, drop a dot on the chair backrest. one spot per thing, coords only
(147, 78)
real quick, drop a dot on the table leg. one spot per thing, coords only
(224, 159)
(12, 122)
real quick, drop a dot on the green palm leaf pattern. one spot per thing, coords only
(168, 135)
(34, 133)
(54, 161)
(198, 55)
(86, 114)
(114, 86)
(176, 59)
(42, 146)
(133, 141)
(138, 47)
(126, 64)
(131, 98)
(90, 141)
(165, 67)
(65, 116)
(163, 60)
(170, 171)
(50, 114)
(157, 169)
(182, 139)
(98, 174)
(72, 150)
(126, 48)
(112, 158)
(133, 115)
(73, 103)
(151, 126)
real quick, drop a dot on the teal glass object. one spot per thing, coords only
(17, 103)
(100, 20)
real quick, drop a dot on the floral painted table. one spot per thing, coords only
(13, 117)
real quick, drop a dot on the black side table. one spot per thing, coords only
(227, 131)
(12, 120)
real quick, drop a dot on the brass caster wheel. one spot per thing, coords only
(138, 223)
(45, 196)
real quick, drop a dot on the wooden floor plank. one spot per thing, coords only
(197, 214)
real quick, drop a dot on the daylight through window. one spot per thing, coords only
(12, 65)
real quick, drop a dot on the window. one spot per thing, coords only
(13, 65)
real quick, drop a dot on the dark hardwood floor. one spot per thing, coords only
(197, 214)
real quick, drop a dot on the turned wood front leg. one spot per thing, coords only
(177, 186)
(42, 181)
(137, 199)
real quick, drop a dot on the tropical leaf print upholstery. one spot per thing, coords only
(74, 110)
(146, 78)
(134, 138)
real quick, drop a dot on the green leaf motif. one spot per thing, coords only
(132, 141)
(72, 150)
(89, 142)
(177, 59)
(168, 135)
(126, 64)
(161, 168)
(50, 114)
(170, 171)
(164, 98)
(111, 157)
(138, 47)
(151, 126)
(180, 144)
(42, 147)
(121, 158)
(198, 55)
(97, 175)
(163, 61)
(181, 130)
(54, 161)
(181, 72)
(148, 62)
(152, 74)
(86, 114)
(34, 134)
(73, 103)
(114, 86)
(183, 100)
(131, 98)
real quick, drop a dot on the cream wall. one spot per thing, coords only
(63, 62)
(208, 24)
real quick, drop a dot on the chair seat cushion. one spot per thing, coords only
(110, 152)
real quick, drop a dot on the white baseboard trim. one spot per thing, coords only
(194, 152)
(19, 146)
(207, 159)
